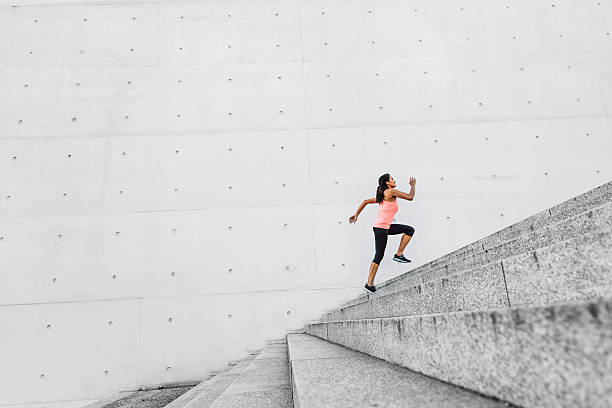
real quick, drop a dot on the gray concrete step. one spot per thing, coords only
(150, 398)
(325, 374)
(581, 203)
(559, 355)
(206, 392)
(569, 227)
(592, 220)
(101, 403)
(579, 268)
(264, 383)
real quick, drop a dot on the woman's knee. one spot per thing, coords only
(409, 231)
(377, 259)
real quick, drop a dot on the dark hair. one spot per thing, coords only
(382, 186)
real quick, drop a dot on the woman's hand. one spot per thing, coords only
(412, 181)
(353, 218)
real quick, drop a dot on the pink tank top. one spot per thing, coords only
(386, 212)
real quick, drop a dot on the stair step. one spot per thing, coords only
(591, 220)
(579, 204)
(206, 392)
(559, 355)
(584, 202)
(579, 268)
(276, 341)
(325, 374)
(575, 269)
(154, 398)
(264, 383)
(102, 403)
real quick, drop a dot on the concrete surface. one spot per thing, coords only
(134, 134)
(149, 398)
(108, 400)
(205, 393)
(559, 355)
(264, 383)
(579, 268)
(591, 220)
(575, 205)
(328, 375)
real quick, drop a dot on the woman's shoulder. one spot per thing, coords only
(388, 195)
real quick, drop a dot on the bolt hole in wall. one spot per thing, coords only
(171, 163)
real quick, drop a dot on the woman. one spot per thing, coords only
(386, 197)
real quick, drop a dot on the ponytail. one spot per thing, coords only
(382, 186)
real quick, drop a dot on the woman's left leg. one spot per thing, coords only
(380, 236)
(408, 232)
(372, 275)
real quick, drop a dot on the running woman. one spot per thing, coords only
(386, 197)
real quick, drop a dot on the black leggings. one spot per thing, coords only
(381, 235)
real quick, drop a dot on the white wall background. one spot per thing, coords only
(127, 260)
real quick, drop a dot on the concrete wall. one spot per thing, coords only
(176, 177)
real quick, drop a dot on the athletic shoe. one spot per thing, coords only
(401, 258)
(370, 289)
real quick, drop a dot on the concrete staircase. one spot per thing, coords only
(304, 371)
(325, 374)
(522, 317)
(260, 380)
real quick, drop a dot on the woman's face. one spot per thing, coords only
(391, 182)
